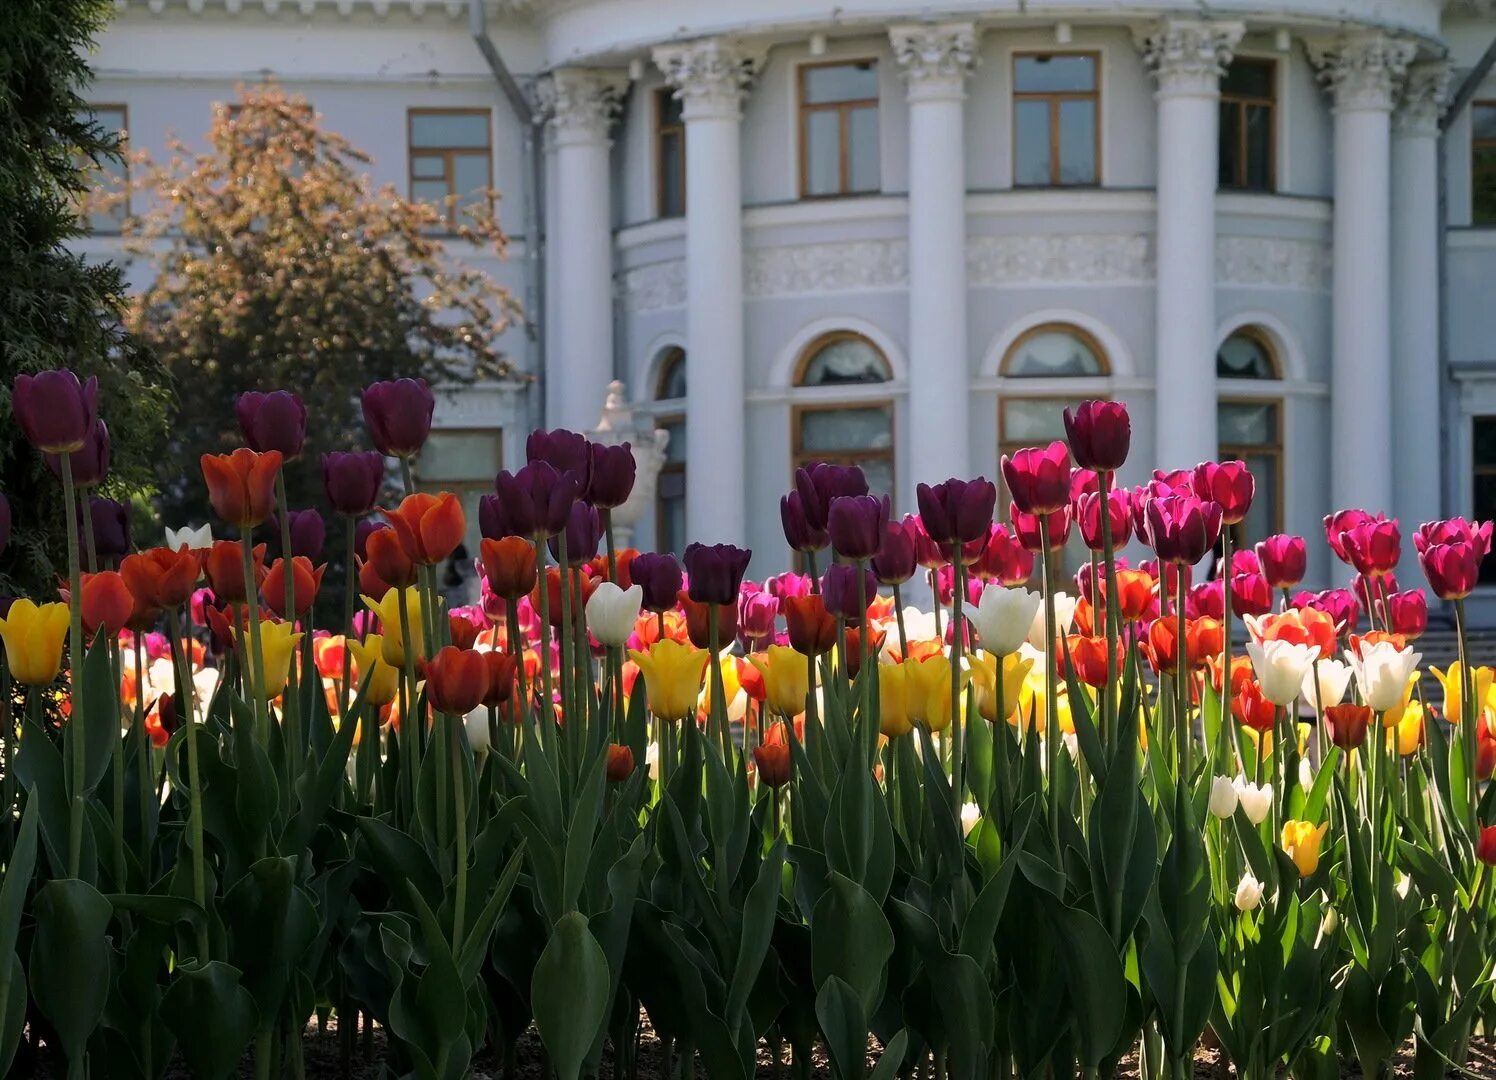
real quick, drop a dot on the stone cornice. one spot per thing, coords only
(935, 58)
(1187, 57)
(710, 75)
(1364, 72)
(1425, 96)
(579, 104)
(450, 9)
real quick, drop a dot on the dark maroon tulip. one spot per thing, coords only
(166, 713)
(612, 470)
(55, 411)
(536, 501)
(819, 483)
(715, 572)
(1339, 604)
(957, 511)
(798, 532)
(1372, 547)
(896, 560)
(1003, 559)
(583, 531)
(1407, 613)
(308, 533)
(856, 523)
(273, 421)
(111, 527)
(1251, 595)
(839, 591)
(1026, 528)
(1283, 559)
(565, 451)
(1453, 570)
(362, 532)
(90, 462)
(353, 480)
(1341, 522)
(1182, 528)
(1228, 484)
(658, 575)
(398, 415)
(1100, 433)
(1088, 518)
(1039, 480)
(926, 551)
(1453, 531)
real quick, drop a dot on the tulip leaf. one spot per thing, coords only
(569, 993)
(212, 1016)
(757, 930)
(851, 939)
(70, 960)
(581, 831)
(316, 789)
(1097, 983)
(12, 899)
(844, 1024)
(100, 715)
(965, 1003)
(892, 1057)
(40, 771)
(396, 856)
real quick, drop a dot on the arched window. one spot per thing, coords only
(1250, 424)
(858, 431)
(670, 487)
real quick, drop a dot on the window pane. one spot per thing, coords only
(1229, 151)
(670, 528)
(428, 167)
(672, 379)
(670, 109)
(1031, 143)
(1483, 185)
(1261, 520)
(430, 191)
(449, 130)
(675, 449)
(1248, 423)
(1259, 148)
(1242, 356)
(1483, 118)
(879, 474)
(469, 173)
(823, 153)
(1483, 459)
(1077, 142)
(1483, 446)
(451, 457)
(839, 430)
(1041, 74)
(840, 82)
(844, 361)
(106, 201)
(862, 148)
(1054, 352)
(1033, 422)
(672, 186)
(1249, 78)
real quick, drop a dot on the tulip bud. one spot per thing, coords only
(111, 528)
(54, 410)
(612, 470)
(1281, 667)
(1330, 922)
(773, 763)
(1100, 433)
(817, 484)
(715, 572)
(1256, 801)
(960, 511)
(895, 561)
(90, 462)
(273, 421)
(1229, 485)
(582, 534)
(856, 524)
(612, 612)
(1038, 479)
(398, 415)
(1223, 798)
(1003, 616)
(1248, 893)
(620, 763)
(1283, 560)
(798, 532)
(660, 578)
(475, 724)
(1485, 845)
(308, 533)
(352, 481)
(971, 813)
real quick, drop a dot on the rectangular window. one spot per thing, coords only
(848, 435)
(1483, 163)
(1056, 119)
(1036, 421)
(839, 128)
(463, 462)
(1251, 429)
(670, 488)
(1249, 125)
(451, 159)
(107, 202)
(670, 156)
(1483, 478)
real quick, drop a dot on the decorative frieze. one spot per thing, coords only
(821, 268)
(1273, 262)
(710, 76)
(1365, 71)
(1059, 259)
(1189, 56)
(936, 58)
(656, 287)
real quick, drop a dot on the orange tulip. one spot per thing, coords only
(305, 583)
(1202, 639)
(854, 649)
(1348, 723)
(1398, 641)
(579, 583)
(107, 602)
(812, 629)
(1252, 710)
(509, 566)
(161, 577)
(1134, 594)
(223, 566)
(773, 762)
(698, 629)
(502, 667)
(241, 485)
(456, 681)
(1300, 626)
(369, 581)
(1088, 658)
(620, 763)
(429, 526)
(462, 630)
(1241, 672)
(389, 560)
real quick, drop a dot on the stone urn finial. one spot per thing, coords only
(619, 424)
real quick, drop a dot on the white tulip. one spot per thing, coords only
(1064, 612)
(1248, 893)
(612, 612)
(1256, 802)
(476, 723)
(1280, 667)
(198, 539)
(1334, 677)
(1382, 673)
(1306, 774)
(1003, 616)
(1329, 923)
(1223, 798)
(1400, 885)
(970, 815)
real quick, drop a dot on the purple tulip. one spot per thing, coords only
(1100, 433)
(90, 462)
(658, 575)
(839, 591)
(55, 411)
(1339, 604)
(896, 559)
(798, 532)
(308, 533)
(5, 523)
(788, 584)
(111, 528)
(273, 421)
(856, 523)
(352, 480)
(1182, 528)
(821, 482)
(716, 571)
(612, 470)
(582, 532)
(361, 533)
(398, 415)
(536, 501)
(957, 511)
(565, 451)
(756, 614)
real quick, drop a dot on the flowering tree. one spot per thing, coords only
(279, 265)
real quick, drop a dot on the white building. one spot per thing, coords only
(905, 235)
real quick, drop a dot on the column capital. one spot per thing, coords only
(1364, 72)
(1188, 56)
(579, 104)
(1425, 96)
(710, 75)
(935, 58)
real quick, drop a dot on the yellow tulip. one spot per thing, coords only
(1016, 668)
(786, 678)
(1262, 741)
(672, 677)
(384, 677)
(277, 647)
(731, 685)
(393, 638)
(1452, 683)
(1033, 706)
(1407, 735)
(1393, 716)
(33, 641)
(929, 690)
(893, 700)
(1302, 841)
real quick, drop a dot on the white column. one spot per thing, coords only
(1187, 58)
(710, 77)
(579, 105)
(1416, 478)
(1363, 74)
(936, 60)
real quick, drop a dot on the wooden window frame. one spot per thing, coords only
(824, 342)
(1264, 342)
(447, 154)
(843, 127)
(1055, 98)
(1085, 337)
(93, 108)
(1476, 472)
(1241, 451)
(1242, 102)
(799, 457)
(1475, 145)
(662, 98)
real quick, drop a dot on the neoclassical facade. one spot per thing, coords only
(908, 235)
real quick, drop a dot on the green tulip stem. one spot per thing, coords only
(350, 554)
(1182, 732)
(570, 692)
(145, 770)
(117, 754)
(514, 642)
(1225, 695)
(90, 547)
(958, 717)
(934, 577)
(898, 614)
(290, 699)
(456, 733)
(194, 781)
(719, 690)
(1468, 715)
(1051, 694)
(256, 653)
(410, 722)
(812, 720)
(547, 713)
(77, 723)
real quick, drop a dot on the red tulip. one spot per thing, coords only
(773, 763)
(160, 577)
(1407, 612)
(620, 763)
(1088, 518)
(1341, 522)
(1026, 528)
(1283, 559)
(107, 602)
(1453, 570)
(812, 629)
(1348, 723)
(1252, 710)
(1088, 658)
(241, 485)
(456, 680)
(1100, 433)
(1372, 547)
(223, 566)
(1038, 480)
(502, 668)
(1485, 845)
(388, 558)
(1229, 485)
(509, 566)
(1182, 528)
(1251, 595)
(305, 584)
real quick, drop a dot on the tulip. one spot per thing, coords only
(277, 646)
(1252, 709)
(306, 582)
(390, 559)
(1003, 617)
(162, 578)
(1251, 595)
(508, 566)
(379, 678)
(798, 532)
(612, 470)
(456, 680)
(1256, 799)
(1248, 893)
(929, 689)
(1302, 842)
(757, 613)
(1223, 800)
(773, 763)
(308, 532)
(612, 612)
(1026, 528)
(582, 533)
(1088, 658)
(1453, 680)
(1382, 672)
(715, 572)
(1015, 670)
(672, 677)
(1333, 678)
(536, 501)
(198, 539)
(1281, 667)
(398, 415)
(352, 480)
(1064, 615)
(1452, 570)
(1347, 724)
(90, 462)
(1283, 559)
(223, 565)
(893, 700)
(856, 524)
(1341, 522)
(1182, 528)
(1038, 480)
(34, 638)
(959, 511)
(620, 763)
(55, 411)
(844, 598)
(1100, 433)
(1228, 484)
(1407, 613)
(1206, 600)
(1088, 518)
(388, 610)
(786, 679)
(660, 577)
(429, 526)
(817, 484)
(1372, 547)
(502, 669)
(812, 629)
(241, 485)
(1406, 736)
(1485, 845)
(1003, 558)
(273, 421)
(107, 602)
(565, 451)
(699, 623)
